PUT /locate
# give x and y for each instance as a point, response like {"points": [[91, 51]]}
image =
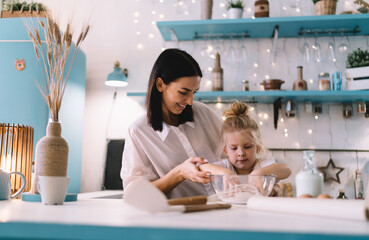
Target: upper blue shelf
{"points": [[271, 96], [310, 26]]}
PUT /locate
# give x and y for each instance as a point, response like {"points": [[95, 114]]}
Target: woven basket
{"points": [[325, 7]]}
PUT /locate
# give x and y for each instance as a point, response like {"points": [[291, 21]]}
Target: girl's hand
{"points": [[190, 171], [256, 181], [230, 181]]}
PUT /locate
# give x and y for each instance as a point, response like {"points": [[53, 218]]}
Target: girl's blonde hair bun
{"points": [[237, 109]]}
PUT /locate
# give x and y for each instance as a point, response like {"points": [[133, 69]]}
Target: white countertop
{"points": [[114, 217]]}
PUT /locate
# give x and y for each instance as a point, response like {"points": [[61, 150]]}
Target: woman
{"points": [[177, 134]]}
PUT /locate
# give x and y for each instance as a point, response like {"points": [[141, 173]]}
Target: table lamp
{"points": [[16, 153]]}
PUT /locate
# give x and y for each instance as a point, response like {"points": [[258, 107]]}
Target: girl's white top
{"points": [[152, 154]]}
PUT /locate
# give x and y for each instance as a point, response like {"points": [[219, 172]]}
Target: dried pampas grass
{"points": [[52, 54]]}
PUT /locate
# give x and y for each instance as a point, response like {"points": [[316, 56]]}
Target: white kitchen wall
{"points": [[126, 31]]}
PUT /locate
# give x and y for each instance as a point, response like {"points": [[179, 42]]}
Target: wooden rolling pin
{"points": [[195, 200], [197, 208]]}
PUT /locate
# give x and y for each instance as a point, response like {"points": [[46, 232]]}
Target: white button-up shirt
{"points": [[152, 154]]}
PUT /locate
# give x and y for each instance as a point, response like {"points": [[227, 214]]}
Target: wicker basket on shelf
{"points": [[325, 7]]}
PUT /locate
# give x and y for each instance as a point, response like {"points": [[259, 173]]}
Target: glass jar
{"points": [[245, 85], [324, 82]]}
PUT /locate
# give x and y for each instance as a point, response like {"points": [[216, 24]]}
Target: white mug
{"points": [[53, 189], [5, 187]]}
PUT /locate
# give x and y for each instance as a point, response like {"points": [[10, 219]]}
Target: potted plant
{"points": [[364, 6], [325, 7], [235, 9], [22, 9], [357, 70]]}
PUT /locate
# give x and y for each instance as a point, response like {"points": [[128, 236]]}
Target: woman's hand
{"points": [[189, 170]]}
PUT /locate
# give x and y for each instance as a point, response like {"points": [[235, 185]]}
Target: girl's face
{"points": [[241, 150], [178, 94]]}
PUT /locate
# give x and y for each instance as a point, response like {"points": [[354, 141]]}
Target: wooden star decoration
{"points": [[327, 176]]}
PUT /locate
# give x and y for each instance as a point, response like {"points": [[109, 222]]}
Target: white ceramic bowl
{"points": [[238, 189]]}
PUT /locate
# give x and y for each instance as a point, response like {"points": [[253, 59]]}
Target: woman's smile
{"points": [[182, 107]]}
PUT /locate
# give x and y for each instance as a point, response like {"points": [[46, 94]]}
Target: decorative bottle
{"points": [[300, 83], [206, 9], [309, 180], [217, 75], [261, 8], [359, 187]]}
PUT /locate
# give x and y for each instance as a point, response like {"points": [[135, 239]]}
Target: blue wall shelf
{"points": [[310, 26], [271, 96]]}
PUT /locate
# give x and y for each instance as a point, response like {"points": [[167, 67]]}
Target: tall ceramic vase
{"points": [[206, 9], [51, 158]]}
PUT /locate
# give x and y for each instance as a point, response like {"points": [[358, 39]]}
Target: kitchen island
{"points": [[104, 218]]}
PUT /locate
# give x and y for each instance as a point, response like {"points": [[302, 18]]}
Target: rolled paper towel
{"points": [[335, 208]]}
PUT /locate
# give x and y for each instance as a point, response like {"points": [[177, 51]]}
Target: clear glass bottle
{"points": [[342, 195], [309, 180], [217, 74], [359, 186]]}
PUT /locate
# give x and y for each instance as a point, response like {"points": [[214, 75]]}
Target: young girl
{"points": [[242, 145]]}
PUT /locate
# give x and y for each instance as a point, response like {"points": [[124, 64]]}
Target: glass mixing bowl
{"points": [[238, 189]]}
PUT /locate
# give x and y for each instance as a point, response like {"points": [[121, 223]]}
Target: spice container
{"points": [[261, 8], [245, 85], [347, 110], [318, 108], [361, 106], [324, 82], [290, 108]]}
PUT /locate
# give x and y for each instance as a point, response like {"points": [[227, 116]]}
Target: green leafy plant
{"points": [[236, 4], [22, 6], [358, 58], [315, 1]]}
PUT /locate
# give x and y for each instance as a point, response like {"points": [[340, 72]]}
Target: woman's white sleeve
{"points": [[135, 163]]}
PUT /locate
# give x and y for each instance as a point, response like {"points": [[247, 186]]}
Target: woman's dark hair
{"points": [[170, 65]]}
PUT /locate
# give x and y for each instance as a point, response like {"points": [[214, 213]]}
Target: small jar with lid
{"points": [[324, 82], [245, 85]]}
